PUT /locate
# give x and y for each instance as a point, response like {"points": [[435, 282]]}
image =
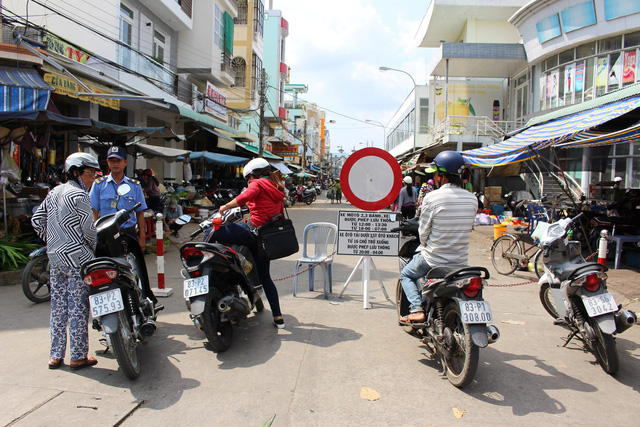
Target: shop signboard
{"points": [[62, 48], [579, 76], [69, 87], [282, 150], [468, 99], [215, 102]]}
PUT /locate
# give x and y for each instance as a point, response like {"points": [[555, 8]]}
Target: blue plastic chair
{"points": [[324, 235]]}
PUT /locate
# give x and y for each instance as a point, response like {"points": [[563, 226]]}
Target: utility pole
{"points": [[304, 144], [263, 81]]}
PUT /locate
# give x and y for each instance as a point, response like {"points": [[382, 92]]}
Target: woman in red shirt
{"points": [[264, 197]]}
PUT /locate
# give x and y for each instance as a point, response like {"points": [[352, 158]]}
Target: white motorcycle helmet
{"points": [[255, 167], [80, 160]]}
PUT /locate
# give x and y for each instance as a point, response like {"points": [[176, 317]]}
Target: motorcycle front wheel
{"points": [[35, 279], [308, 200], [548, 301], [604, 348], [538, 263], [124, 347], [462, 362], [219, 333]]}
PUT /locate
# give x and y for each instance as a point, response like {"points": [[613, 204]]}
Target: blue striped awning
{"points": [[22, 89], [527, 143], [594, 139]]}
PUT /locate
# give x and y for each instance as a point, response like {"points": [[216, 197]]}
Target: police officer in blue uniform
{"points": [[105, 199]]}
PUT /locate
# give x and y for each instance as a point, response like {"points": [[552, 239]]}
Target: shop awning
{"points": [[165, 153], [281, 167], [223, 140], [219, 158], [254, 150], [23, 89], [103, 128], [528, 142], [203, 119]]}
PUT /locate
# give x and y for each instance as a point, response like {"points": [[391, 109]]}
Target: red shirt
{"points": [[263, 199]]}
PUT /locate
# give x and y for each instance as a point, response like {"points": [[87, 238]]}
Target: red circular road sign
{"points": [[371, 179]]}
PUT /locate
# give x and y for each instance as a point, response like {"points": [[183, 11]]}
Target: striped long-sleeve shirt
{"points": [[446, 221], [65, 221]]}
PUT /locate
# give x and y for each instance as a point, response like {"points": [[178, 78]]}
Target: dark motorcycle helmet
{"points": [[449, 162]]}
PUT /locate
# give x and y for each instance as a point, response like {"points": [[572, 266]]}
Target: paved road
{"points": [[312, 372]]}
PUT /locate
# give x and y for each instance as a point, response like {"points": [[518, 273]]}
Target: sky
{"points": [[335, 47]]}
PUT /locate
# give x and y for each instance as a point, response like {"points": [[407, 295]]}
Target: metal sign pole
{"points": [[367, 263]]}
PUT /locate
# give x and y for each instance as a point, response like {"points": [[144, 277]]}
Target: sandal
{"points": [[83, 363], [55, 363], [415, 317]]}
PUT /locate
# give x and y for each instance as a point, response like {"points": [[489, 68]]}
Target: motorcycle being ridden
{"points": [[221, 285], [456, 320], [443, 296], [574, 292], [122, 304]]}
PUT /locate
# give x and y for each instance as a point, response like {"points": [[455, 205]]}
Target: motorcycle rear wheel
{"points": [[219, 333], [548, 301], [501, 249], [604, 348], [124, 347], [463, 362], [35, 280], [308, 200]]}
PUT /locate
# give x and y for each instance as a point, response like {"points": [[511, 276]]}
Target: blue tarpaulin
{"points": [[224, 159], [23, 89]]}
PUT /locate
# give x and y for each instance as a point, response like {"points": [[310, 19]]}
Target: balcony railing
{"points": [[226, 64], [160, 76], [480, 126]]}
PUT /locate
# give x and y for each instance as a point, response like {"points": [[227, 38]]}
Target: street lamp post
{"points": [[415, 97]]}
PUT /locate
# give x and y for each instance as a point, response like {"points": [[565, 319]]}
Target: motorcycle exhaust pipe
{"points": [[493, 334], [624, 320], [230, 304], [148, 328]]}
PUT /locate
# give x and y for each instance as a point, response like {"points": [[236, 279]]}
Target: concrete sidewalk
{"points": [[312, 372]]}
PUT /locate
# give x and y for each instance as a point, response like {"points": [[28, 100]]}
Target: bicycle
{"points": [[510, 251]]}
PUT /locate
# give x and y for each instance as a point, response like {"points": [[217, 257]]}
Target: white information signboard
{"points": [[368, 233]]}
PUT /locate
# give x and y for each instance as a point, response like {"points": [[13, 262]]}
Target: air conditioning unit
{"points": [[197, 99]]}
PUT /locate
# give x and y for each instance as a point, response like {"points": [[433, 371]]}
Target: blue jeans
{"points": [[241, 235], [416, 269]]}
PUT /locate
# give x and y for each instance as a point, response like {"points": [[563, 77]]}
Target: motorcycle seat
{"points": [[442, 271], [577, 269]]}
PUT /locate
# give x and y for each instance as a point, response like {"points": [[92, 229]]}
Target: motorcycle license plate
{"points": [[106, 302], [599, 304], [475, 312], [196, 286]]}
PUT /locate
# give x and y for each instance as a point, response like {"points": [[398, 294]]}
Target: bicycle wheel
{"points": [[538, 263], [501, 254]]}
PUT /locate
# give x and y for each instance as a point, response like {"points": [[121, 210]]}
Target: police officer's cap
{"points": [[117, 152]]}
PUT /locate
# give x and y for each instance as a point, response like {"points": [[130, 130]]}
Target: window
{"points": [[607, 45], [126, 35], [258, 17], [256, 73], [159, 42], [578, 16], [548, 28], [243, 13], [424, 116], [552, 62], [218, 29], [240, 67], [566, 56], [585, 50]]}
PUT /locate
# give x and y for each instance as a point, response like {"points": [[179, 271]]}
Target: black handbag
{"points": [[277, 238]]}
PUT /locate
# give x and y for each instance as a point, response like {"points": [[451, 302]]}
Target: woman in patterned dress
{"points": [[65, 221]]}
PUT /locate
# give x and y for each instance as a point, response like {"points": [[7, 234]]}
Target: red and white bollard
{"points": [[160, 291], [602, 247]]}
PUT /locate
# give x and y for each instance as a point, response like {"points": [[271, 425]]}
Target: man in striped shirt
{"points": [[446, 221]]}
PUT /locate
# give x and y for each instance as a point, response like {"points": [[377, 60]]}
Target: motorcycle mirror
{"points": [[123, 189]]}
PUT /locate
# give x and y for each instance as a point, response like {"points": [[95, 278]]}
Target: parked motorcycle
{"points": [[574, 292], [117, 279], [457, 316], [35, 277], [221, 285]]}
